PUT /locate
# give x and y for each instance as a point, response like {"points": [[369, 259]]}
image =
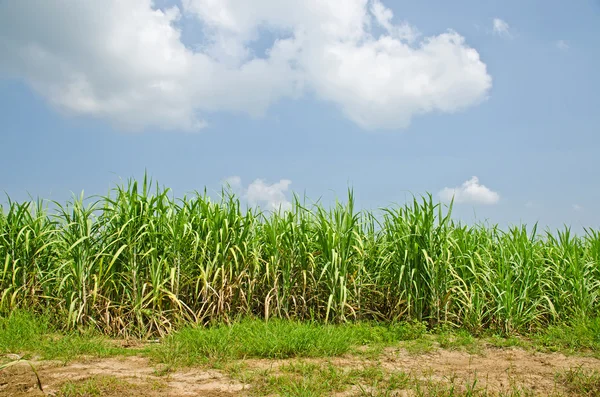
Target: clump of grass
{"points": [[301, 378], [97, 386], [580, 382], [24, 333], [138, 261], [277, 339], [580, 335], [457, 340]]}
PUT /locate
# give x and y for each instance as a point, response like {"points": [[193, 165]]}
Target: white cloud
{"points": [[124, 61], [470, 191], [562, 45], [530, 204], [383, 17], [501, 28], [273, 195], [577, 207], [234, 182], [260, 193]]}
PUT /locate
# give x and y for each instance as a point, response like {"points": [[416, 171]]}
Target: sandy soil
{"points": [[496, 370], [135, 376]]}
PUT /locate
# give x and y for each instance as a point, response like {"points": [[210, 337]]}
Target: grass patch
{"points": [[28, 335], [580, 382], [278, 339], [22, 331], [97, 386], [503, 342], [420, 346], [459, 340], [307, 379], [578, 336], [226, 346], [25, 334], [313, 379]]}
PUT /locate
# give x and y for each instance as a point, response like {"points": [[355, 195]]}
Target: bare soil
{"points": [[121, 376], [496, 370]]}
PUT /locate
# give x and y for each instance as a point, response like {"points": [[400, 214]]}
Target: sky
{"points": [[492, 103]]}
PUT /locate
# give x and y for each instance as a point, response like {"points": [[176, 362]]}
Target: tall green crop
{"points": [[140, 261]]}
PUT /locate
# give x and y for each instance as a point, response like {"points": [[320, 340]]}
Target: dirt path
{"points": [[496, 371]]}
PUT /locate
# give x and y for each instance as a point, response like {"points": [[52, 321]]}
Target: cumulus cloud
{"points": [[260, 193], [470, 192], [501, 28], [234, 182], [124, 60], [562, 45]]}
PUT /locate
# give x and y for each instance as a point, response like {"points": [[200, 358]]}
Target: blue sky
{"points": [[310, 97]]}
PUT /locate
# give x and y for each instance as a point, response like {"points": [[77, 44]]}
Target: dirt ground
{"points": [[496, 370]]}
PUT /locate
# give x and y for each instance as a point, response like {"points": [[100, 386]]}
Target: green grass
{"points": [[304, 379], [97, 386], [32, 336], [301, 378], [29, 335], [580, 382], [583, 335], [310, 349], [278, 339], [458, 340]]}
